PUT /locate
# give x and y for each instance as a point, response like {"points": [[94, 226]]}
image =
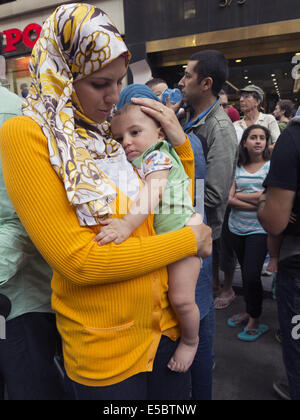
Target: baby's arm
{"points": [[274, 245], [118, 230]]}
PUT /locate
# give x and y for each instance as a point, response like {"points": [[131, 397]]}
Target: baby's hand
{"points": [[273, 265], [113, 230]]}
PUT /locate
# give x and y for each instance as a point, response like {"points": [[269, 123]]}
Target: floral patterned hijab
{"points": [[76, 40]]}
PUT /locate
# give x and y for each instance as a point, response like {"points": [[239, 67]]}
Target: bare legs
{"points": [[183, 276]]}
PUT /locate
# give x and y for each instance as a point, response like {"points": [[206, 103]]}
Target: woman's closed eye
{"points": [[98, 86]]}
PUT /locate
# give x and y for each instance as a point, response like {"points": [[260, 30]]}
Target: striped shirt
{"points": [[246, 222]]}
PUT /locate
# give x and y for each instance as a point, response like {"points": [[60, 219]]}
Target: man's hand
{"points": [[113, 230]]}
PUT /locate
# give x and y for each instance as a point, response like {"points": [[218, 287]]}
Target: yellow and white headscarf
{"points": [[76, 40]]}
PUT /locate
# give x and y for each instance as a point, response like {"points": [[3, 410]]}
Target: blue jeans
{"points": [[26, 358], [160, 384], [202, 368], [288, 300]]}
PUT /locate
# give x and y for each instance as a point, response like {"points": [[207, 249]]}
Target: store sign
{"points": [[225, 3], [14, 36]]}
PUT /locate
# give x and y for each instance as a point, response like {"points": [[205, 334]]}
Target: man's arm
{"points": [[275, 209], [221, 162]]}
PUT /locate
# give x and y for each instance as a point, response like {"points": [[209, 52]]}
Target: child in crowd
{"points": [[165, 193], [249, 239]]}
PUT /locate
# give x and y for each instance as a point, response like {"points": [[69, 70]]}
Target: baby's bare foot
{"points": [[183, 357]]}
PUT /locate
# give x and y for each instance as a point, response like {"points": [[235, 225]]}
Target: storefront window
{"points": [[17, 75]]}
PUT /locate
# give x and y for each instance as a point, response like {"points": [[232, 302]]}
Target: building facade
{"points": [[261, 39], [20, 26]]}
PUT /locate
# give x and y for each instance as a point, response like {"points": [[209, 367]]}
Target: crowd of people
{"points": [[106, 265]]}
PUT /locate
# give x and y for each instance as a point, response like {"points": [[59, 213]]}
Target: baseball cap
{"points": [[254, 88]]}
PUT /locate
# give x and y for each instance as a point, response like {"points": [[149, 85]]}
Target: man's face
{"points": [[277, 112], [248, 103], [189, 85]]}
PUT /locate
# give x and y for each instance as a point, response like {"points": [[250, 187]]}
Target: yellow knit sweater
{"points": [[111, 301]]}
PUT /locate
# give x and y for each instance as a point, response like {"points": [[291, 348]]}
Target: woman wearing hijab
{"points": [[65, 174]]}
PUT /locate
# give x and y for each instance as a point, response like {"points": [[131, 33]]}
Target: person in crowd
{"points": [[275, 208], [251, 101], [158, 86], [24, 90], [232, 112], [165, 193], [284, 112], [27, 354], [117, 326], [204, 77], [248, 236]]}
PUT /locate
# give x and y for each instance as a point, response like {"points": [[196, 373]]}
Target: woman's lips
{"points": [[105, 111]]}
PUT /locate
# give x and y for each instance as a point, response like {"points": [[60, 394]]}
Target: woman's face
{"points": [[98, 92], [256, 142]]}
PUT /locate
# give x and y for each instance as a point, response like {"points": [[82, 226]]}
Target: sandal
{"points": [[250, 335], [238, 321], [223, 303]]}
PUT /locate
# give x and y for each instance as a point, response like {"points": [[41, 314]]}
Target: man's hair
{"points": [[154, 82], [288, 107], [211, 63]]}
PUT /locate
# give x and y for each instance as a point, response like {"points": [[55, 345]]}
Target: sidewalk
{"points": [[246, 371]]}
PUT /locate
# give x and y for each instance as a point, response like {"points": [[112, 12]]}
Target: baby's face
{"points": [[135, 131]]}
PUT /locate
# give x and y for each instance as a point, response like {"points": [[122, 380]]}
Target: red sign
{"points": [[15, 36]]}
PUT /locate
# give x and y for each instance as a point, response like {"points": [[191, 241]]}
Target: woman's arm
{"points": [[237, 204], [252, 198], [40, 200]]}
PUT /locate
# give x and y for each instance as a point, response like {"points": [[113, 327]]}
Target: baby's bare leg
{"points": [[183, 276]]}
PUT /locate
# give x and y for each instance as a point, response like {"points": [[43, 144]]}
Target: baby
{"points": [[165, 193]]}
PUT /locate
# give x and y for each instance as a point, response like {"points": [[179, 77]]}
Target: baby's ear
{"points": [[161, 134]]}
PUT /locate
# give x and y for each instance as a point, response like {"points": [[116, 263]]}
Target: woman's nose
{"points": [[113, 95]]}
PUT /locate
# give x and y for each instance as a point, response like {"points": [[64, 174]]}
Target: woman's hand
{"points": [[203, 235], [165, 116]]}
